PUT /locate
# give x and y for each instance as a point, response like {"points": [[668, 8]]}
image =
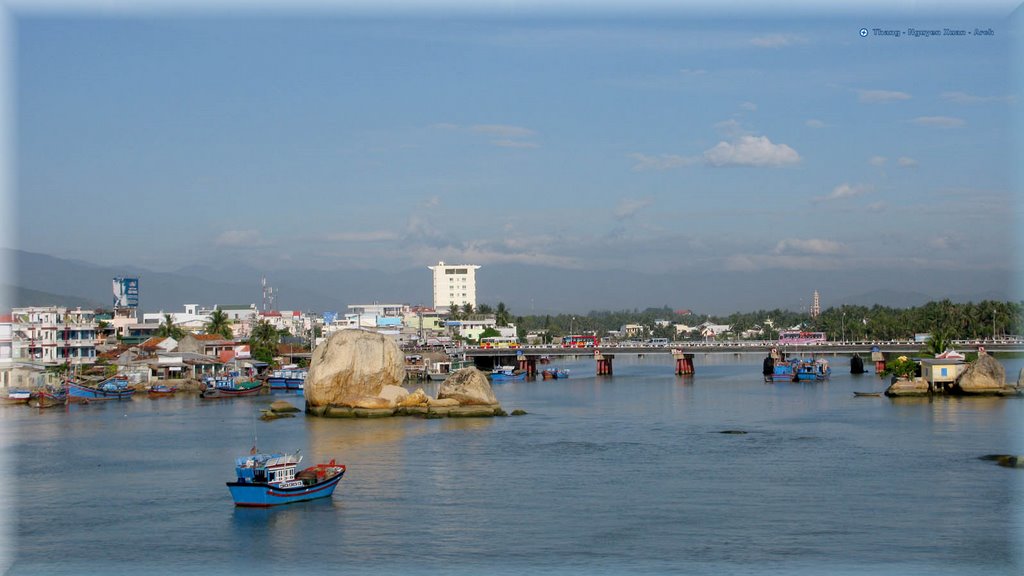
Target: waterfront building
{"points": [[454, 285], [6, 349], [53, 335]]}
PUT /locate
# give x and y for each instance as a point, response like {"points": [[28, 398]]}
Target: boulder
{"points": [[352, 366], [442, 402], [984, 375], [393, 394], [417, 398], [281, 406], [469, 386], [905, 387]]}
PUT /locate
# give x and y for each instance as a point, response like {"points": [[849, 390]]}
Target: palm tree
{"points": [[263, 341], [219, 324], [937, 343], [501, 315], [168, 329]]}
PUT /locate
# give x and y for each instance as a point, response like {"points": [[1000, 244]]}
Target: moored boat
{"points": [[48, 397], [16, 397], [265, 480], [229, 387], [506, 373], [113, 388], [161, 391]]}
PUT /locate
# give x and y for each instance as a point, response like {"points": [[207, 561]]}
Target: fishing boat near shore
{"points": [[161, 391], [265, 480], [555, 373], [229, 387], [113, 388], [505, 374], [48, 397], [16, 397]]}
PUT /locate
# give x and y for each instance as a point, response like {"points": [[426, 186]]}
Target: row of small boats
{"points": [[797, 370], [506, 373]]}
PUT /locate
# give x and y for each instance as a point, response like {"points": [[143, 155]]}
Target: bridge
{"points": [[747, 346], [526, 357]]}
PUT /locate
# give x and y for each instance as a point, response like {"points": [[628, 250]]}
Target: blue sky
{"points": [[665, 140]]}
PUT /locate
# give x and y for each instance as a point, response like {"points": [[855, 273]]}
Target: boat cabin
{"points": [[277, 469]]}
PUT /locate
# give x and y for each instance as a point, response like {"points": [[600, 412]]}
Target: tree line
{"points": [[954, 320]]}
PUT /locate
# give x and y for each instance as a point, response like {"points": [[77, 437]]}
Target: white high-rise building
{"points": [[454, 285]]}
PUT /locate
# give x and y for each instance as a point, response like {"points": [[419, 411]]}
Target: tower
{"points": [[815, 306], [454, 285]]}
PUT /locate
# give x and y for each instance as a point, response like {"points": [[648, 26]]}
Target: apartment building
{"points": [[454, 285]]}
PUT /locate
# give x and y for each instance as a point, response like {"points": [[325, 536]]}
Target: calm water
{"points": [[628, 474]]}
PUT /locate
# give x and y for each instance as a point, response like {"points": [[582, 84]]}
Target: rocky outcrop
{"points": [[352, 368], [357, 374], [983, 376], [469, 386], [908, 387]]}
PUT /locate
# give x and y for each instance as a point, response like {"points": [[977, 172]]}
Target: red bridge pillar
{"points": [[604, 363], [528, 364], [684, 362]]}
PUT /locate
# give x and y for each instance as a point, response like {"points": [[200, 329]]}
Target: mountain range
{"points": [[40, 279]]}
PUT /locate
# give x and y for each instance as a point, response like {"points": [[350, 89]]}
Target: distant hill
{"points": [[22, 297], [525, 289]]}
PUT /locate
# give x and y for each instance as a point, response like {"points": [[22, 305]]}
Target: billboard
{"points": [[126, 292]]}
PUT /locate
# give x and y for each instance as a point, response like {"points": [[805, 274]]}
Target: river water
{"points": [[629, 474]]}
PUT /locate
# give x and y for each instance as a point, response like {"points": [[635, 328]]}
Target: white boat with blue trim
{"points": [[265, 480]]}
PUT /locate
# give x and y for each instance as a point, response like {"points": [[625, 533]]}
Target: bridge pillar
{"points": [[684, 362], [528, 364], [879, 359], [604, 363]]}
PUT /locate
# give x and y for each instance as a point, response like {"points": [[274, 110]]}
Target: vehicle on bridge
{"points": [[499, 342], [800, 337], [580, 341]]}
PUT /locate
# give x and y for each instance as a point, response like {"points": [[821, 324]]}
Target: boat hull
{"points": [[76, 390], [264, 495], [230, 392]]}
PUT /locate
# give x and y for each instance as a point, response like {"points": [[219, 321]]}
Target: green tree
{"points": [[467, 310], [501, 315], [489, 333], [168, 329], [219, 324], [937, 343], [263, 341]]}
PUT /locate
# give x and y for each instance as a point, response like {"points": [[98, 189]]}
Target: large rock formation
{"points": [[469, 386], [352, 368], [985, 375]]}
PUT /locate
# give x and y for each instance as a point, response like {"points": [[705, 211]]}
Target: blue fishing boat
{"points": [[562, 373], [506, 373], [806, 371], [265, 480], [782, 372], [113, 388], [229, 386], [277, 381], [296, 380]]}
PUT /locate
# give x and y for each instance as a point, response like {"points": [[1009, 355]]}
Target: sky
{"points": [[335, 135]]}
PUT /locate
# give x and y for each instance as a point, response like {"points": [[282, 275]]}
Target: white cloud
{"points": [[371, 236], [776, 40], [751, 151], [876, 96], [628, 207], [814, 123], [939, 121], [239, 238], [816, 246], [845, 190], [749, 106], [514, 144], [965, 98], [906, 162], [432, 202], [661, 162], [730, 128], [877, 207], [877, 160], [503, 130]]}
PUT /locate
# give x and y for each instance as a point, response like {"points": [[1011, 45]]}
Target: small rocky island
{"points": [[358, 374], [983, 377]]}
